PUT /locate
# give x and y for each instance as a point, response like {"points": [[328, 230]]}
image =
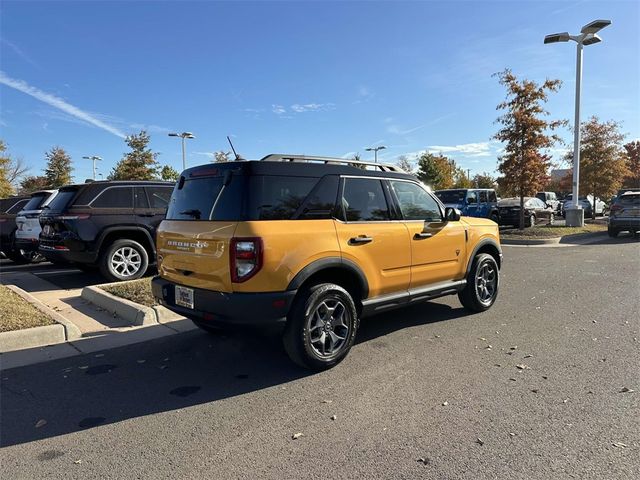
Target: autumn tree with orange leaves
{"points": [[633, 164], [526, 134], [603, 165]]}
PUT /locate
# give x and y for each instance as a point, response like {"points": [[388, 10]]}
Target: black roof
{"points": [[116, 182], [295, 169]]}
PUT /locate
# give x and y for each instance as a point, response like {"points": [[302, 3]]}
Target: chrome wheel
{"points": [[329, 327], [486, 283], [126, 261]]}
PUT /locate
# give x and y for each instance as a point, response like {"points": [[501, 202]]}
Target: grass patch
{"points": [[16, 313], [551, 231], [138, 291]]}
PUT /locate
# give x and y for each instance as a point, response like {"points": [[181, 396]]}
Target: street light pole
{"points": [[183, 136], [375, 151], [93, 158], [575, 215]]}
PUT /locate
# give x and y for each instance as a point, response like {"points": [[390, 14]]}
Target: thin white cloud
{"points": [[479, 149], [278, 109], [312, 107], [18, 51], [364, 94], [206, 154], [397, 130], [58, 103]]}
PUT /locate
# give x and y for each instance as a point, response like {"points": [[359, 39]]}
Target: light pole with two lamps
{"points": [[375, 151], [575, 215], [93, 158], [183, 136]]}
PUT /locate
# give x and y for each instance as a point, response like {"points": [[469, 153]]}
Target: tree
{"points": [[58, 169], [356, 158], [602, 159], [31, 184], [484, 180], [11, 170], [221, 156], [169, 173], [525, 130], [138, 164], [404, 164], [632, 179], [460, 179], [437, 171]]}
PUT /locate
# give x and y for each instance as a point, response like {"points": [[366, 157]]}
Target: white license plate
{"points": [[184, 297]]}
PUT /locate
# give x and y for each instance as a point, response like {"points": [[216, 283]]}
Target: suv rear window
{"points": [[18, 206], [195, 198], [62, 199], [630, 199], [36, 201]]}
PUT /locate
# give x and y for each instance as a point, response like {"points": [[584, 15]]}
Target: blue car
{"points": [[472, 202]]}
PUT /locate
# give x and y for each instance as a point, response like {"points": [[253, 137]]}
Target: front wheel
{"points": [[124, 260], [321, 326], [482, 285], [532, 221], [494, 217]]}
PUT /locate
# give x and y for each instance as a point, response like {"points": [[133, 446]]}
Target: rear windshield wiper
{"points": [[192, 213]]}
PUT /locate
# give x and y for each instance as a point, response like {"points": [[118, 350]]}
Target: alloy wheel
{"points": [[486, 283], [329, 327], [126, 261]]}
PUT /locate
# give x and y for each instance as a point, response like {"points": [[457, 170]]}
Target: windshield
{"points": [[36, 201], [62, 199], [452, 196]]}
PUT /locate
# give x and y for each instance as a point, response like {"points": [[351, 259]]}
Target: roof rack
{"points": [[281, 157]]}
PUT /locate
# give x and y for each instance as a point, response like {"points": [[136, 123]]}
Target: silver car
{"points": [[625, 214]]}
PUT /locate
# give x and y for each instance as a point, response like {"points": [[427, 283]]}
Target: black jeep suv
{"points": [[110, 225], [9, 208]]}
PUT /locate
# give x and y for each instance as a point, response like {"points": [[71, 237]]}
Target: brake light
{"points": [[615, 207], [81, 216], [245, 258]]}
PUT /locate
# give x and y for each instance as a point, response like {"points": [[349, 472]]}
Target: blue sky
{"points": [[322, 78]]}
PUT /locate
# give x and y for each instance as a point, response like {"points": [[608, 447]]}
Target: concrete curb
{"points": [[537, 241], [566, 240], [61, 332], [126, 309]]}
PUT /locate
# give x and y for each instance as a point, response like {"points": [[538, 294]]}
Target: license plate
{"points": [[184, 297]]}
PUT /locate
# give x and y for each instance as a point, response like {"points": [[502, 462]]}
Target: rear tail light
{"points": [[245, 258], [615, 207]]}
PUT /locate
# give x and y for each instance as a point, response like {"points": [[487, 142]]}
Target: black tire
{"points": [[613, 233], [298, 340], [132, 251], [470, 297], [494, 217]]}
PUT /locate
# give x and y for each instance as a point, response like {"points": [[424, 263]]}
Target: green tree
{"points": [[437, 171], [603, 165], [460, 178], [526, 134], [138, 164], [58, 169], [169, 173], [32, 184], [632, 158], [484, 180], [221, 156]]}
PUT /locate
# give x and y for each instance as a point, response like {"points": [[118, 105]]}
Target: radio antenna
{"points": [[238, 157]]}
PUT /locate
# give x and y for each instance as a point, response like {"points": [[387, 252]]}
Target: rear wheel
{"points": [[321, 327], [494, 217], [124, 260], [482, 285]]}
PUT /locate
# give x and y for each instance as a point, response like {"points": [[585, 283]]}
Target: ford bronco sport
{"points": [[314, 244]]}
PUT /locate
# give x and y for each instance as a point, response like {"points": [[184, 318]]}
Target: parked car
{"points": [[28, 225], [472, 202], [587, 205], [9, 208], [551, 199], [312, 245], [625, 214], [535, 211], [108, 225], [621, 191]]}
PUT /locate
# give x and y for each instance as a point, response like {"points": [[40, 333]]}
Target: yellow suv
{"points": [[314, 244]]}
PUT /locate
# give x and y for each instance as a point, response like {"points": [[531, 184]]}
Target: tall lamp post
{"points": [[588, 36], [93, 158], [183, 136], [375, 151]]}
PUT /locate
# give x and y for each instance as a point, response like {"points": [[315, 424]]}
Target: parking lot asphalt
{"points": [[61, 276], [545, 384]]}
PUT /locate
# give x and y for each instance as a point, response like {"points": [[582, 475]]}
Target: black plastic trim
{"points": [[479, 245], [330, 262]]}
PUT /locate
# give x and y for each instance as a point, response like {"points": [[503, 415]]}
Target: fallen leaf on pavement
{"points": [[528, 356], [424, 461], [522, 366], [333, 417], [620, 445], [77, 462], [627, 390], [479, 441], [41, 423], [512, 434], [327, 401], [445, 403], [296, 436]]}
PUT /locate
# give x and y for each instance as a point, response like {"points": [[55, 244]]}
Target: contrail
{"points": [[58, 103]]}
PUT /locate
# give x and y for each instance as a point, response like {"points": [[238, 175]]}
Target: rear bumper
{"points": [[624, 222], [27, 244], [259, 310]]}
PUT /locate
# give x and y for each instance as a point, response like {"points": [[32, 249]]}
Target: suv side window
{"points": [[140, 200], [492, 196], [472, 197], [321, 202], [114, 197], [159, 196], [363, 200], [483, 196], [18, 206], [415, 203]]}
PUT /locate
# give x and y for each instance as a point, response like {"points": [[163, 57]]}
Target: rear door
{"points": [[437, 247], [369, 237]]}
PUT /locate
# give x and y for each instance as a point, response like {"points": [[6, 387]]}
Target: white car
{"points": [[28, 224], [587, 205]]}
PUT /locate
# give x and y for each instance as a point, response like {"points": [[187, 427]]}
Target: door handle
{"points": [[360, 240], [421, 235]]}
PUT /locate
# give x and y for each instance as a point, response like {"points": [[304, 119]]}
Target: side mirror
{"points": [[451, 214]]}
